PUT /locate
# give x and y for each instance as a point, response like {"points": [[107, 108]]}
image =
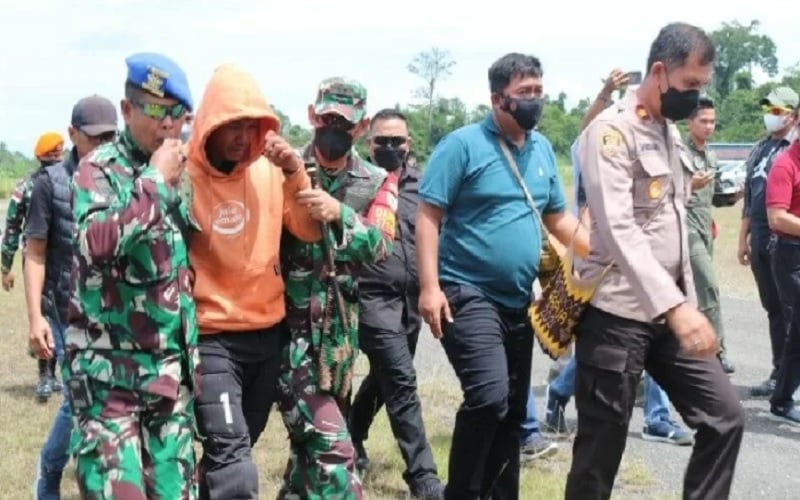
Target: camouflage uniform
{"points": [[16, 214], [318, 362], [701, 242], [132, 335]]}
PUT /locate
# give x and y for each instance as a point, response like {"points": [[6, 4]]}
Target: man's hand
{"points": [[432, 305], [693, 330], [321, 206], [40, 339], [701, 180], [743, 253], [169, 159], [615, 81], [8, 281], [281, 154]]}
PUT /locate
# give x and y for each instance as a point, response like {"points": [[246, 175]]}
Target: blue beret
{"points": [[160, 76]]}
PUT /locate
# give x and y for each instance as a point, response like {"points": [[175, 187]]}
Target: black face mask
{"points": [[677, 105], [389, 158], [332, 143], [526, 113]]}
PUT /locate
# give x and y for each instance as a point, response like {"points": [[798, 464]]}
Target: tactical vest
{"points": [[58, 267]]}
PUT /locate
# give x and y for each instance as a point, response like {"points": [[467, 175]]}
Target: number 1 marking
{"points": [[226, 407]]}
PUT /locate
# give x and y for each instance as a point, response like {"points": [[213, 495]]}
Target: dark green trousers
{"points": [[701, 254]]}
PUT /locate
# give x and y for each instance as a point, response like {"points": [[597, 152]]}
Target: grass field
{"points": [[25, 423]]}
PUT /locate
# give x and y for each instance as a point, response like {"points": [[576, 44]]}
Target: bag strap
{"points": [[515, 169], [512, 163]]}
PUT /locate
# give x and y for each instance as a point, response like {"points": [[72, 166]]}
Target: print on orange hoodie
{"points": [[238, 284]]}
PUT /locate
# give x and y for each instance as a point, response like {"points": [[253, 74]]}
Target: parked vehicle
{"points": [[731, 171]]}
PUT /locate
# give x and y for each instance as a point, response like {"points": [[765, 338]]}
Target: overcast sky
{"points": [[53, 54]]}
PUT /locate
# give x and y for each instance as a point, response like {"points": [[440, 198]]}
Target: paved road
{"points": [[770, 450]]}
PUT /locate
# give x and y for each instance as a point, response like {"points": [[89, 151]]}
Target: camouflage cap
{"points": [[347, 98]]}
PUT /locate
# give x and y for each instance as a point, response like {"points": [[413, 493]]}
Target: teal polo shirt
{"points": [[489, 238]]}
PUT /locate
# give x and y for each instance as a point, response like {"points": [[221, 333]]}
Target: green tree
{"points": [[432, 66], [14, 165], [297, 135], [558, 125], [741, 48]]}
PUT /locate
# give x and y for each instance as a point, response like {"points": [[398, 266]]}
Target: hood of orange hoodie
{"points": [[232, 94]]}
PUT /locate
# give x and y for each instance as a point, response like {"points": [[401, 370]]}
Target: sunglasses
{"points": [[393, 141], [777, 110], [337, 121], [161, 111]]}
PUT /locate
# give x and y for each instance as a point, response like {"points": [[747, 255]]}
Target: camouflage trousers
{"points": [[321, 459], [135, 445]]}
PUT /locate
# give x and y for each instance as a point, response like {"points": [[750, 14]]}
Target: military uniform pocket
{"points": [[94, 445], [604, 390], [652, 184]]}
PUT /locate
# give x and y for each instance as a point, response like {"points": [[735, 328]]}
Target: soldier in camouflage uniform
{"points": [[49, 150], [318, 362], [702, 167], [132, 337]]}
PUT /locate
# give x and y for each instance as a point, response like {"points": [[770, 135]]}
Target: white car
{"points": [[731, 171]]}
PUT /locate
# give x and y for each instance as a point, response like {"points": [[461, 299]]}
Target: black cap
{"points": [[94, 115]]}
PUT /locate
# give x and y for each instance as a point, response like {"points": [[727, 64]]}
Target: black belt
{"points": [[788, 240]]}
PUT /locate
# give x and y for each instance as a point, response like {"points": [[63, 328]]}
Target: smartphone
{"points": [[634, 78]]}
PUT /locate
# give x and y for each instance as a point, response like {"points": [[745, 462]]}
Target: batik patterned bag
{"points": [[555, 314]]}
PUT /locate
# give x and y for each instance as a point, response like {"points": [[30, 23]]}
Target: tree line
{"points": [[741, 49]]}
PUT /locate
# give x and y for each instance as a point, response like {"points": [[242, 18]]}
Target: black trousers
{"points": [[761, 265], [238, 380], [611, 353], [392, 379], [786, 269], [490, 349]]}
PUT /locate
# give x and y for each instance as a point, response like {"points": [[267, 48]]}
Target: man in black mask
{"points": [[478, 251], [643, 315], [389, 322], [356, 201]]}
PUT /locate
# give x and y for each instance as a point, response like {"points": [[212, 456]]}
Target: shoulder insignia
{"points": [[611, 142], [104, 154]]}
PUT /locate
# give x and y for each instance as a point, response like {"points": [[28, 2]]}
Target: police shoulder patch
{"points": [[611, 142]]}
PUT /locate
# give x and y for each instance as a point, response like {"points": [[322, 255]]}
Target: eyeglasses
{"points": [[394, 141], [337, 121], [161, 111], [777, 110]]}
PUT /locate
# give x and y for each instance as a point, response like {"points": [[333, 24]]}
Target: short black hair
{"points": [[511, 65], [702, 103], [388, 114], [676, 42]]}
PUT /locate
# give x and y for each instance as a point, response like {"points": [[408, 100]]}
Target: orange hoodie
{"points": [[236, 255]]}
